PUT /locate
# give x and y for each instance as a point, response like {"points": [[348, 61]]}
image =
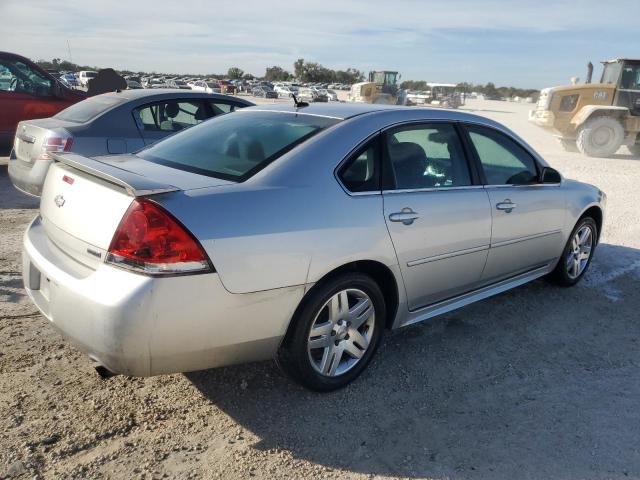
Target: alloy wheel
{"points": [[341, 332], [579, 252]]}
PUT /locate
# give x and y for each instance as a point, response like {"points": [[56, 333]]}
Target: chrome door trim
{"points": [[529, 185], [432, 189], [443, 256], [524, 239]]}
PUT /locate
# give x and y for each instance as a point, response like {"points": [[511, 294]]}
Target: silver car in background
{"points": [[111, 123], [299, 234]]}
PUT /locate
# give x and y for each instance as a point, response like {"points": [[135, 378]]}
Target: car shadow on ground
{"points": [[538, 382], [10, 198]]}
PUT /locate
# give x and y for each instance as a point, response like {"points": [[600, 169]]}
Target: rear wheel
{"points": [[577, 254], [335, 333], [600, 137]]}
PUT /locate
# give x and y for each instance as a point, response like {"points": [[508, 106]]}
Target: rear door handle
{"points": [[406, 216], [506, 205]]}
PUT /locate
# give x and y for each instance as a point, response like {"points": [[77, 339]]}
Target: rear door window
{"points": [[170, 116], [427, 156], [219, 108]]}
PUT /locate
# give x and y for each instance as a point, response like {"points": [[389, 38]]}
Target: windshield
{"points": [[235, 147], [88, 109], [611, 73]]}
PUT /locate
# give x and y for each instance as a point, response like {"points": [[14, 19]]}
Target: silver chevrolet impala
{"points": [[298, 233]]}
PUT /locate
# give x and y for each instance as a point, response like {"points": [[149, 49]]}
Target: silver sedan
{"points": [[111, 123], [299, 234]]}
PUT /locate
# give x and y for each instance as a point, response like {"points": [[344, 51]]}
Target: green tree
{"points": [[276, 74], [298, 68], [234, 73]]}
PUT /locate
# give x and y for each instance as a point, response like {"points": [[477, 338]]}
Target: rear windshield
{"points": [[235, 147], [88, 109]]}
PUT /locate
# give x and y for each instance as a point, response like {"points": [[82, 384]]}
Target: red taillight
{"points": [[55, 144], [150, 240]]}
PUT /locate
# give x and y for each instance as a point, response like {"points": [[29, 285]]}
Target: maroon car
{"points": [[27, 92]]}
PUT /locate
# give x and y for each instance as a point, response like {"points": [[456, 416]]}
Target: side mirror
{"points": [[550, 175]]}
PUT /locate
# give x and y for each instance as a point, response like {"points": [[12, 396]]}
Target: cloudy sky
{"points": [[519, 42]]}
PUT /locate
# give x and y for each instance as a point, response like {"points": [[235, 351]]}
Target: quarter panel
{"points": [[266, 238]]}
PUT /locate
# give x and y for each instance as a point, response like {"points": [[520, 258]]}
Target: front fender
{"points": [[586, 112]]}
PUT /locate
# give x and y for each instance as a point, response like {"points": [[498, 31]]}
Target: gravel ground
{"points": [[539, 382]]}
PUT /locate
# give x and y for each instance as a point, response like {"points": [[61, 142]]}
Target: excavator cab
{"points": [[625, 74], [386, 86]]}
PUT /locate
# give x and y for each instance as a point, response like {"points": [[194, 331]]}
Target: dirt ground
{"points": [[539, 382]]}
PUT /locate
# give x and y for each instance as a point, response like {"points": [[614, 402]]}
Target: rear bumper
{"points": [[139, 325], [28, 177]]}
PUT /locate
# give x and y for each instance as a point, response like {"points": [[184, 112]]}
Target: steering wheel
{"points": [[13, 84]]}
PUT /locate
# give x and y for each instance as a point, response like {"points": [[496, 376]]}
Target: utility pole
{"points": [[69, 49]]}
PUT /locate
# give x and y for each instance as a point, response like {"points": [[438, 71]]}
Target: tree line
{"points": [[302, 71]]}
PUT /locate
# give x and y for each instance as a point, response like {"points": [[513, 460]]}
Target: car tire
{"points": [[571, 267], [600, 137], [326, 361]]}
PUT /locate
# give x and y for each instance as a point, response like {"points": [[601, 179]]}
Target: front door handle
{"points": [[506, 205], [406, 216]]}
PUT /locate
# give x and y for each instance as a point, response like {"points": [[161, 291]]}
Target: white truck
{"points": [[84, 76]]}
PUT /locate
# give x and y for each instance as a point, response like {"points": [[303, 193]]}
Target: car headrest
{"points": [[409, 164], [171, 110], [200, 114]]}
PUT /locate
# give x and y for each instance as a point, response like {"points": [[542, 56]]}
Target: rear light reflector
{"points": [[150, 240], [55, 145]]}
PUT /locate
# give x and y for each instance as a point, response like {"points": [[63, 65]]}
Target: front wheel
{"points": [[577, 254], [600, 137], [334, 333]]}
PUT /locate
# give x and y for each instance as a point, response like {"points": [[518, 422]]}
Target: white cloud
{"points": [[202, 36]]}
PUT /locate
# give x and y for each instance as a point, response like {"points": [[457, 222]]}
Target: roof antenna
{"points": [[298, 103]]}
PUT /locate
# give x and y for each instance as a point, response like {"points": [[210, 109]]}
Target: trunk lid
{"points": [[31, 135], [83, 199]]}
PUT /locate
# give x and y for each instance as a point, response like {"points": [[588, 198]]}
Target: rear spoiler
{"points": [[136, 185]]}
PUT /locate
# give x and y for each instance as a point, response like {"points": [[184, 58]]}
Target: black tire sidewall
{"points": [[561, 273], [293, 357]]}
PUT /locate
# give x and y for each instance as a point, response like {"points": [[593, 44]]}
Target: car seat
{"points": [[409, 164]]}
